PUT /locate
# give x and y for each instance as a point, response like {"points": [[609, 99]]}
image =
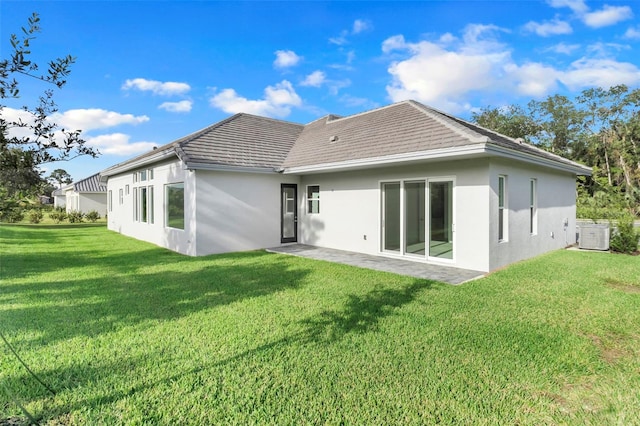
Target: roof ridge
{"points": [[449, 121], [346, 117]]}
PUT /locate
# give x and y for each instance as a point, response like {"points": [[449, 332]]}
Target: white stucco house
{"points": [[59, 197], [404, 180], [85, 195]]}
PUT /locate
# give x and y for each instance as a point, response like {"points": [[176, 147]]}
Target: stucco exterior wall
{"points": [[93, 201], [121, 218], [556, 212], [350, 209], [238, 211], [59, 201]]}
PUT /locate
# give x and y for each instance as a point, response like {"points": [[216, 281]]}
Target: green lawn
{"points": [[128, 333]]}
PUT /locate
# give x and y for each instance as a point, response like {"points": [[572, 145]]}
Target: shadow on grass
{"points": [[360, 314], [90, 307]]}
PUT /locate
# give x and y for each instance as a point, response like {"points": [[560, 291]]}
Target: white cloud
{"points": [[94, 118], [608, 15], [577, 6], [445, 75], [604, 73], [315, 79], [118, 144], [167, 88], [533, 79], [549, 28], [277, 101], [563, 48], [442, 77], [286, 59], [182, 106], [12, 115], [632, 33], [360, 25], [115, 143]]}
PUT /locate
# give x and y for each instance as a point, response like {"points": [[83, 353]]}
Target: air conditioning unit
{"points": [[594, 236]]}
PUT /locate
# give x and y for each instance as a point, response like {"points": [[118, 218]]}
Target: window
{"points": [[126, 190], [313, 199], [136, 206], [120, 196], [502, 208], [533, 207], [135, 177], [150, 203], [174, 205], [150, 174], [143, 203], [142, 175], [110, 200]]}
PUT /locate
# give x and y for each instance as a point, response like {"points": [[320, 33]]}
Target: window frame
{"points": [[167, 216], [533, 206], [313, 198], [503, 209], [150, 209]]}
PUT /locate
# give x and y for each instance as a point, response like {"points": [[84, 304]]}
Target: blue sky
{"points": [[149, 72]]}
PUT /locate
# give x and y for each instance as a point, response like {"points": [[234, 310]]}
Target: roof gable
{"points": [[90, 184]]}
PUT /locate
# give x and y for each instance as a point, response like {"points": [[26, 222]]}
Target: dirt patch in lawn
{"points": [[611, 348], [622, 286]]}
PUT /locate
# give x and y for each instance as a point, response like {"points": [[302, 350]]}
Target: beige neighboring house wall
{"points": [[404, 181]]}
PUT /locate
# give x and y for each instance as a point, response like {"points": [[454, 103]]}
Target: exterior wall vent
{"points": [[594, 236]]}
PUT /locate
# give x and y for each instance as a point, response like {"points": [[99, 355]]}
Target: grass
{"points": [[128, 333]]}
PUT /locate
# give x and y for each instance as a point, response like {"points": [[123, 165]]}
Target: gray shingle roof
{"points": [[401, 128], [242, 140], [249, 141], [90, 184]]}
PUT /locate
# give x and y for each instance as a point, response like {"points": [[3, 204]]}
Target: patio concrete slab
{"points": [[429, 271]]}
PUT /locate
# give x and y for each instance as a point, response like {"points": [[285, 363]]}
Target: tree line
{"points": [[599, 128]]}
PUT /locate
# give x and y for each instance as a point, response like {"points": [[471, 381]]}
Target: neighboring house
{"points": [[60, 196], [403, 181], [86, 195]]}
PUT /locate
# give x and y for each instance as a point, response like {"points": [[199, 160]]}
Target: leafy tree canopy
{"points": [[33, 139]]}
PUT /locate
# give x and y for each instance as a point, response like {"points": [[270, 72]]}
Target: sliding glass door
{"points": [[414, 213], [391, 216], [417, 218], [441, 219]]}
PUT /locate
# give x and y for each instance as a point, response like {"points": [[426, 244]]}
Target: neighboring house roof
{"points": [[90, 184], [401, 132]]}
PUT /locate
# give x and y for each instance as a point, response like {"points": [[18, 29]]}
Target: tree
{"points": [[61, 177], [510, 121], [27, 143], [560, 125]]}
